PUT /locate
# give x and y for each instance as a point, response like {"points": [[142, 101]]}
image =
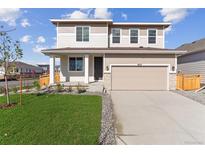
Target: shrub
{"points": [[2, 90], [59, 87], [36, 85], [70, 88], [39, 94], [15, 89], [80, 89]]}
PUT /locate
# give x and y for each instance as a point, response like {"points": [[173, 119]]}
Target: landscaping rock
{"points": [[196, 96], [107, 133]]}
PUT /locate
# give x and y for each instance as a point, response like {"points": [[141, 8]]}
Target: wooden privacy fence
{"points": [[44, 79], [188, 82]]}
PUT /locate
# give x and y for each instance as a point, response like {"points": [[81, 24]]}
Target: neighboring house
{"points": [[125, 56], [45, 67], [57, 68], [193, 62], [23, 68]]}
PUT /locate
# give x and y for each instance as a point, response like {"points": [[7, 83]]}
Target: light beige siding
{"points": [[172, 81], [143, 37], [143, 32], [70, 28], [139, 59], [66, 36], [139, 78], [66, 28], [100, 34], [63, 68], [73, 76]]}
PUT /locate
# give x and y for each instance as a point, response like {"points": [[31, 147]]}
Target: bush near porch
{"points": [[51, 119]]}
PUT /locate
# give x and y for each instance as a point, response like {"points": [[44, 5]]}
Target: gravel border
{"points": [[196, 96], [107, 133]]}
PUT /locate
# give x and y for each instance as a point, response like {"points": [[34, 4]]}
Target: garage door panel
{"points": [[139, 78]]}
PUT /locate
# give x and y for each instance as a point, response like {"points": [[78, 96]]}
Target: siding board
{"points": [[139, 59], [197, 67]]}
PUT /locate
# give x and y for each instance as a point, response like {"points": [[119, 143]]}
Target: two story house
{"points": [[125, 56]]}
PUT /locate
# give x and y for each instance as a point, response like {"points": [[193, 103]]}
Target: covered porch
{"points": [[77, 68]]}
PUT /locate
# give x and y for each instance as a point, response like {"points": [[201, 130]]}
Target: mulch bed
{"points": [[7, 106]]}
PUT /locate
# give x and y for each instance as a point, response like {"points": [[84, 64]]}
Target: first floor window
{"points": [[151, 36], [75, 63], [133, 35]]}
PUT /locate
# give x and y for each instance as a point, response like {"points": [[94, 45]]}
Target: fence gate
{"points": [[188, 82]]}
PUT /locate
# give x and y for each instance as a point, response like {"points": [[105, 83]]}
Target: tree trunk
{"points": [[7, 90]]}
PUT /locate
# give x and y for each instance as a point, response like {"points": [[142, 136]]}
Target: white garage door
{"points": [[139, 78]]}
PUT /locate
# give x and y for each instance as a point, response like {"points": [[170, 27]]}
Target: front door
{"points": [[98, 68]]}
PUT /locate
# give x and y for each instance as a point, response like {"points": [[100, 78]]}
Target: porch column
{"points": [[86, 68], [52, 70], [63, 68]]}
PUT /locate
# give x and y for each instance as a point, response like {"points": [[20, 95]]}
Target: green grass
{"points": [[51, 119]]}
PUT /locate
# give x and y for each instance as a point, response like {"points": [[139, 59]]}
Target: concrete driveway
{"points": [[157, 117]]}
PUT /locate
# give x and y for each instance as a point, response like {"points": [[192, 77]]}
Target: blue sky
{"points": [[35, 31]]}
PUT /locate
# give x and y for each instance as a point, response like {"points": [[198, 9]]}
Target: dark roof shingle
{"points": [[194, 46]]}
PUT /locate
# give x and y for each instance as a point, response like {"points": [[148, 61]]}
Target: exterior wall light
{"points": [[173, 68], [107, 68]]}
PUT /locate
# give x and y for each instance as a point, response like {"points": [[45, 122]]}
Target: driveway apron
{"points": [[157, 117]]}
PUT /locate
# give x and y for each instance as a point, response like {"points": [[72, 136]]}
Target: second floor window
{"points": [[152, 36], [133, 35], [115, 35], [82, 34]]}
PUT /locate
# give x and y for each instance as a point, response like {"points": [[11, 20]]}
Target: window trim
{"points": [[112, 35], [148, 35], [89, 27], [137, 35], [75, 59]]}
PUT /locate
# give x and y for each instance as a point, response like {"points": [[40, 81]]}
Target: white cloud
{"points": [[174, 15], [37, 48], [41, 39], [102, 13], [124, 16], [88, 13], [77, 14], [167, 30], [25, 23], [86, 10], [10, 15], [25, 39]]}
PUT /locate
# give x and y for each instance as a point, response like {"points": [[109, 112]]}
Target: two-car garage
{"points": [[148, 70], [133, 77]]}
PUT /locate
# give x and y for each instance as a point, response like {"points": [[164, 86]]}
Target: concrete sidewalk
{"points": [[157, 117]]}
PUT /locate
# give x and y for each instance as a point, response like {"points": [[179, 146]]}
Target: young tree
{"points": [[10, 51]]}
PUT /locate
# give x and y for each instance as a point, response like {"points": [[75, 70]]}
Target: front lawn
{"points": [[51, 119]]}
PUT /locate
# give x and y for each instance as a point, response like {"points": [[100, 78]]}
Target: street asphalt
{"points": [[15, 83]]}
